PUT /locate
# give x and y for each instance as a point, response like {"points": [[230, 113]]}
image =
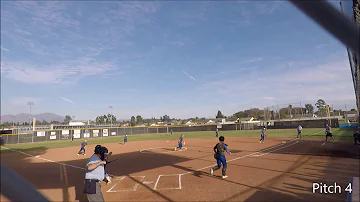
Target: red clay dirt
{"points": [[283, 172]]}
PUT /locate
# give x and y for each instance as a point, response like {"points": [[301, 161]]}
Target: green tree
{"points": [[111, 118], [309, 108], [219, 115], [132, 121], [139, 119], [165, 118], [67, 119], [320, 104], [100, 120], [240, 114]]}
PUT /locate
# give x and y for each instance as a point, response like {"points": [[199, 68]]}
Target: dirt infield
{"points": [[281, 169]]}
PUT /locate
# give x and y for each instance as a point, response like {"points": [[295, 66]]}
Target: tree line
{"points": [[319, 109], [285, 112]]}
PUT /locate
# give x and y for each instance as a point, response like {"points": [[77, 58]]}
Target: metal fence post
{"points": [[157, 130], [131, 130], [32, 137], [18, 141]]}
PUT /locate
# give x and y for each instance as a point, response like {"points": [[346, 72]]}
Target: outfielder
{"points": [[180, 142], [217, 132], [220, 157], [299, 130], [82, 149], [262, 135]]}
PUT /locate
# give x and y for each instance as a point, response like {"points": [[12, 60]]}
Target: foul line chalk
{"points": [[134, 188], [44, 159], [144, 150]]}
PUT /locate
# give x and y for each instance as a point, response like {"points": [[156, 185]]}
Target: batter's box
{"points": [[126, 183], [165, 182]]}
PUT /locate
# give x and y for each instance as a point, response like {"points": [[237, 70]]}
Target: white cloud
{"points": [[4, 49], [67, 53], [191, 77], [67, 100], [254, 60], [265, 8], [71, 71], [331, 80]]}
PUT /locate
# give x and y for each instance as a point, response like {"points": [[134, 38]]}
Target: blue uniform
{"points": [[82, 149], [217, 133], [180, 142], [262, 135], [220, 157], [125, 139]]}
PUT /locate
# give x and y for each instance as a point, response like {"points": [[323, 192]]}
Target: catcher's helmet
{"points": [[221, 139], [100, 150]]}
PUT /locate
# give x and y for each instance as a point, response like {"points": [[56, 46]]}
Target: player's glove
{"points": [[215, 156]]}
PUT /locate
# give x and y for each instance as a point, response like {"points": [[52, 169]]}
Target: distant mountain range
{"points": [[21, 118]]}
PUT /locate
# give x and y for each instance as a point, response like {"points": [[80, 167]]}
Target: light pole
{"points": [[111, 107], [30, 104]]}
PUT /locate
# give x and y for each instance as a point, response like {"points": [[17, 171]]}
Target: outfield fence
{"points": [[80, 133]]}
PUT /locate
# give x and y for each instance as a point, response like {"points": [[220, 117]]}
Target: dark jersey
{"points": [[220, 148], [357, 135]]}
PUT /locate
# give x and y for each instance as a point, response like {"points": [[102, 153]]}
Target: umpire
{"points": [[95, 173]]}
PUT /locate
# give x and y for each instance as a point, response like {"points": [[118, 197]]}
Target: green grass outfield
{"points": [[339, 134]]}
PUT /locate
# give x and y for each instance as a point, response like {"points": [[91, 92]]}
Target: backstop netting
{"points": [[351, 9]]}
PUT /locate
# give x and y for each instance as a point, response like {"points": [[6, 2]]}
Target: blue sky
{"points": [[183, 59]]}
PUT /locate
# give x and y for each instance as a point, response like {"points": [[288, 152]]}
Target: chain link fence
{"points": [[80, 133]]}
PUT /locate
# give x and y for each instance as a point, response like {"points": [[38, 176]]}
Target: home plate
{"points": [[148, 182], [37, 156]]}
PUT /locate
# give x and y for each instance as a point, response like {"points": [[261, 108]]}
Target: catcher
{"points": [[220, 157]]}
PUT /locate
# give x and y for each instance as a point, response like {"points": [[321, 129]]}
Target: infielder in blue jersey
{"points": [[217, 133], [180, 142], [328, 133], [220, 157], [125, 139], [82, 149], [262, 135]]}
